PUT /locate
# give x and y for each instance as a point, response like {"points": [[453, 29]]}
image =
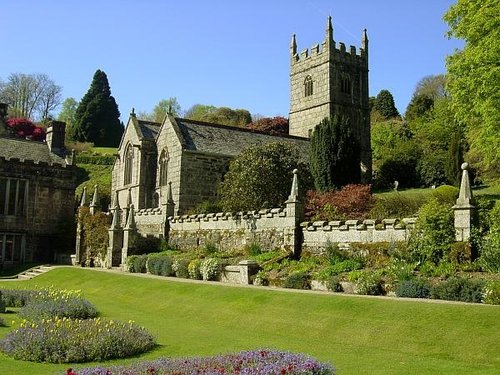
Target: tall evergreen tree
{"points": [[334, 155], [97, 118], [384, 103]]}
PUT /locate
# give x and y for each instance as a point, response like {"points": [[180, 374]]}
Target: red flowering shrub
{"points": [[271, 125], [24, 128], [351, 202]]}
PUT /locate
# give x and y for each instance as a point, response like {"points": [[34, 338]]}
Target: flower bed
{"points": [[250, 362], [69, 340]]}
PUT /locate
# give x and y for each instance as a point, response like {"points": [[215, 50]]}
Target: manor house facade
{"points": [[189, 158]]}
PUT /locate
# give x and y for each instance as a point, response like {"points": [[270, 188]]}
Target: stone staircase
{"points": [[35, 271]]}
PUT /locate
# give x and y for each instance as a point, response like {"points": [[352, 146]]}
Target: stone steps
{"points": [[33, 272]]}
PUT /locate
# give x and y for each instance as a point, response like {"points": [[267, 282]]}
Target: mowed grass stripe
{"points": [[357, 335]]}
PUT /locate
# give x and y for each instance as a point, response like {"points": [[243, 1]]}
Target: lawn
{"points": [[358, 335]]}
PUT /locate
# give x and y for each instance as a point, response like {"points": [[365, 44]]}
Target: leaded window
{"points": [[308, 86], [129, 160], [164, 158]]}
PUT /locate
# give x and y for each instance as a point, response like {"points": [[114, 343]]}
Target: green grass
{"points": [[359, 335], [104, 150]]}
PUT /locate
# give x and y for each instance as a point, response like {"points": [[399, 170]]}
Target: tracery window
{"points": [[345, 85], [129, 159], [308, 86], [164, 158]]}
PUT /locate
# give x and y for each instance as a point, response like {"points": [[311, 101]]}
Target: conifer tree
{"points": [[334, 155], [384, 103], [97, 118]]}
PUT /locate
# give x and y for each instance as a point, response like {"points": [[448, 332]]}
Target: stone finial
{"points": [[115, 224], [294, 193], [293, 46], [132, 113], [83, 200], [465, 195], [364, 39], [130, 219], [129, 198], [95, 199], [464, 210], [170, 205], [116, 203]]}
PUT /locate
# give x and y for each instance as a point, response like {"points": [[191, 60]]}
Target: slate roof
{"points": [[24, 150], [229, 140], [149, 129]]}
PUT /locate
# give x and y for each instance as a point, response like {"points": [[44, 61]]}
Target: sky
{"points": [[232, 53]]}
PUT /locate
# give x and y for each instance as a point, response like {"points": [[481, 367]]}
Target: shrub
{"points": [[446, 194], [461, 252], [194, 269], [350, 202], [2, 323], [137, 263], [396, 205], [68, 340], [367, 283], [400, 270], [145, 245], [334, 285], [434, 232], [51, 303], [253, 249], [297, 280], [159, 264], [343, 266], [180, 267], [210, 248], [490, 246], [334, 254], [459, 289], [210, 269], [16, 297], [431, 168], [260, 361], [413, 288], [205, 207], [492, 292]]}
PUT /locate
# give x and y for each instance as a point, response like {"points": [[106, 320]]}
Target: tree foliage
{"points": [[97, 118], [219, 115], [164, 106], [473, 78], [431, 86], [384, 104], [67, 115], [272, 125], [334, 155], [261, 176], [418, 107], [31, 96], [24, 128]]}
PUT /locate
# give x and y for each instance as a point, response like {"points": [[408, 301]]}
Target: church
{"points": [[181, 161]]}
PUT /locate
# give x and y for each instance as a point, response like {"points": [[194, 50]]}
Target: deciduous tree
{"points": [[219, 115], [32, 96], [473, 78], [272, 125], [67, 114]]}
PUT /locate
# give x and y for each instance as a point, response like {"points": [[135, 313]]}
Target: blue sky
{"points": [[231, 53]]}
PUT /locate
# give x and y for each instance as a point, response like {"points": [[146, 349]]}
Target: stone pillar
{"points": [[129, 234], [295, 211], [115, 233], [464, 210], [76, 259], [248, 268], [94, 204]]}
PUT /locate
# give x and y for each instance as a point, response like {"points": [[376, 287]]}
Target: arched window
{"points": [[345, 85], [163, 168], [129, 159], [308, 86]]}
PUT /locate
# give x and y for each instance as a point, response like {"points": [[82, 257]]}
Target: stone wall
{"points": [[317, 235], [270, 228], [150, 222], [201, 174]]}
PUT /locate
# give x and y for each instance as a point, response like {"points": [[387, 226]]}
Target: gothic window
{"points": [[308, 86], [129, 159], [13, 193], [163, 168], [345, 85]]}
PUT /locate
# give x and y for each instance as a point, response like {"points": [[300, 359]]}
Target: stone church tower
{"points": [[326, 81]]}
